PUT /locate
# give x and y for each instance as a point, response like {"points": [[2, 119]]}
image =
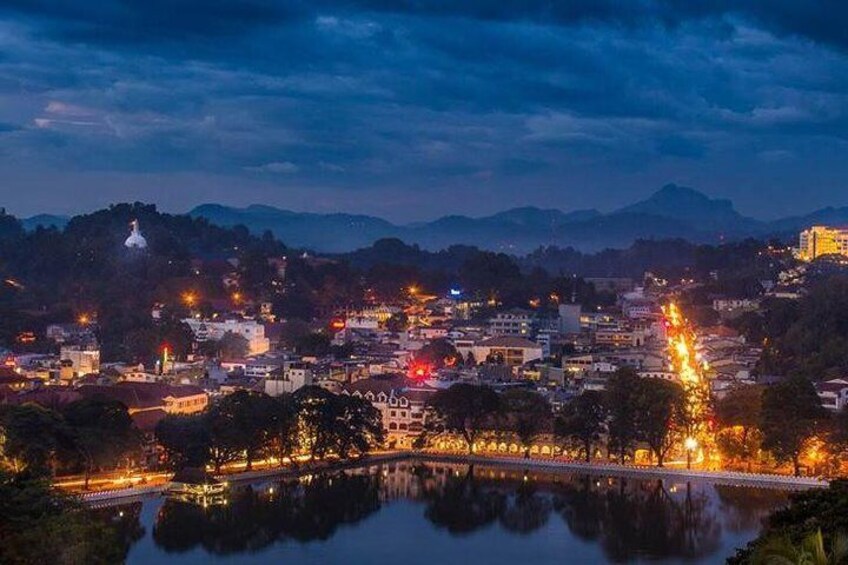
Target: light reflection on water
{"points": [[414, 513]]}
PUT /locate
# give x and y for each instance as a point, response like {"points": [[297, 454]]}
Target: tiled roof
{"points": [[509, 341]]}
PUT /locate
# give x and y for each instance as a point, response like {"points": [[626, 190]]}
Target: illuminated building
{"points": [[401, 402], [512, 351], [252, 331], [516, 322], [135, 240], [84, 359], [822, 240]]}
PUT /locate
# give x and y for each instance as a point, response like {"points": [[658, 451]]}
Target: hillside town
{"points": [[398, 355]]}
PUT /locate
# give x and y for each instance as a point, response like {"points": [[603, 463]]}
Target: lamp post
{"points": [[691, 444]]}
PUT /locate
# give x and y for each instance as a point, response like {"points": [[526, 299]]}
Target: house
{"points": [[512, 351], [620, 337], [289, 379], [147, 403], [833, 393]]}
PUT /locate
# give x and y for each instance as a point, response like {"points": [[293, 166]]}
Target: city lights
{"points": [[189, 298], [689, 367]]}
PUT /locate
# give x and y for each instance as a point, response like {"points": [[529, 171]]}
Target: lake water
{"points": [[424, 514]]}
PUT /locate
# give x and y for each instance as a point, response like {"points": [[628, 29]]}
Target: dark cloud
{"points": [[383, 106]]}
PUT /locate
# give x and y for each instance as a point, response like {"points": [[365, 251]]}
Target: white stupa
{"points": [[135, 240]]}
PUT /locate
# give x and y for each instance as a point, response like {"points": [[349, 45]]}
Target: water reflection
{"points": [[254, 518], [626, 519]]}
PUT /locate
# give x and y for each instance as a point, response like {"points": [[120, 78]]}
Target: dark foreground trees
{"points": [[464, 409], [39, 525], [791, 413], [248, 426], [583, 420], [527, 414], [102, 433], [809, 513]]}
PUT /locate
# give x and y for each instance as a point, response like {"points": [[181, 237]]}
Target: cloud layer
{"points": [[415, 109]]}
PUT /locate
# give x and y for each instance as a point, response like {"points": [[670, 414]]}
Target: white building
{"points": [[289, 379], [512, 351], [84, 359], [514, 322], [833, 394], [251, 330], [135, 239], [402, 405]]}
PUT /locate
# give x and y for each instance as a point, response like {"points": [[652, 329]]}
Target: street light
{"points": [[189, 298], [691, 444]]}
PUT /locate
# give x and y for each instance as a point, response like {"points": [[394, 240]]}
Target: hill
{"points": [[671, 212]]}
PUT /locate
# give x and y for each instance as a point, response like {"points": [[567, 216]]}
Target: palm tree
{"points": [[811, 551]]}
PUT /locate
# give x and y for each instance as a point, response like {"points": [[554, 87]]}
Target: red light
{"points": [[420, 371], [337, 324]]}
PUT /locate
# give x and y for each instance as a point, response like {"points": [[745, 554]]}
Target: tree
{"points": [[740, 408], [240, 422], [30, 437], [810, 551], [185, 440], [358, 425], [314, 344], [40, 525], [818, 515], [316, 420], [397, 322], [463, 409], [660, 405], [438, 353], [583, 420], [791, 414], [527, 414], [622, 389], [283, 430], [233, 346], [102, 432], [839, 430]]}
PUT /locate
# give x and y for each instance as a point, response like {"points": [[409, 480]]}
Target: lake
{"points": [[412, 513]]}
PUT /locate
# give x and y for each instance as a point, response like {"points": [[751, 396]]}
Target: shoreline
{"points": [[738, 478]]}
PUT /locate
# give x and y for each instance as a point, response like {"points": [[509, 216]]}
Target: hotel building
{"points": [[822, 240]]}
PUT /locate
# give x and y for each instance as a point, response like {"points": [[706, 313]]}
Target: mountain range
{"points": [[671, 212]]}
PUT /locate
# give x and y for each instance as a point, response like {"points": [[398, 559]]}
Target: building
{"points": [[569, 318], [512, 351], [64, 333], [251, 330], [289, 379], [822, 240], [147, 403], [135, 239], [84, 359], [514, 322], [833, 394], [401, 403], [620, 337]]}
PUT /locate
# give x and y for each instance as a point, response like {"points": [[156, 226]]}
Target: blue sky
{"points": [[414, 109]]}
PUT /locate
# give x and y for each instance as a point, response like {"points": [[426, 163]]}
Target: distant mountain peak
{"points": [[692, 207]]}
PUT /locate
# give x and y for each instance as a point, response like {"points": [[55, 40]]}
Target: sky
{"points": [[414, 109]]}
